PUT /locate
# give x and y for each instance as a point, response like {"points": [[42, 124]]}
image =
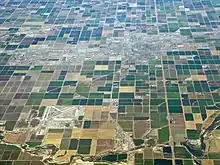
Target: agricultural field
{"points": [[124, 82]]}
